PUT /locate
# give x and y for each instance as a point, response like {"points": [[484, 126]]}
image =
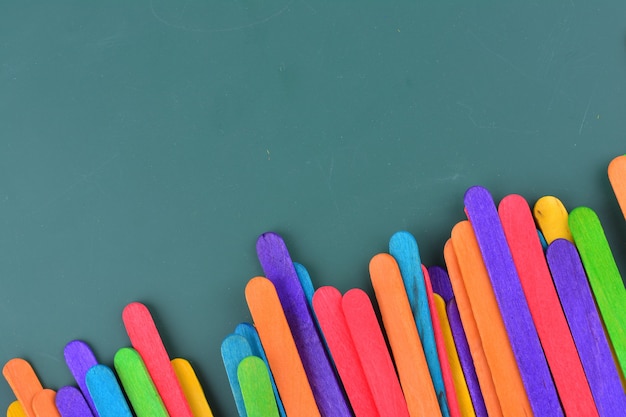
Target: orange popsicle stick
{"points": [[617, 178], [280, 348], [402, 333], [44, 405], [24, 383], [483, 373], [505, 373]]}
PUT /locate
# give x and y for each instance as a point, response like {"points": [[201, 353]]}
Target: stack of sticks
{"points": [[526, 318]]}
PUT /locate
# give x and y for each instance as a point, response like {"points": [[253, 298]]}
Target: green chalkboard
{"points": [[145, 145]]}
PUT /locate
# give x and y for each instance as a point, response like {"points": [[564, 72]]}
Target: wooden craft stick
{"points": [[584, 322], [71, 402], [440, 282], [106, 392], [234, 349], [327, 302], [248, 331], [280, 348], [371, 348], [15, 409], [44, 405], [79, 359], [23, 381], [305, 281], [446, 371], [462, 392], [278, 267], [545, 308], [617, 178], [495, 341], [551, 217], [402, 335], [191, 388], [512, 303], [138, 384], [145, 338], [256, 388], [465, 359], [481, 364], [604, 277], [403, 248]]}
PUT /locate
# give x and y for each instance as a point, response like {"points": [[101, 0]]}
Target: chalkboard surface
{"points": [[145, 145]]}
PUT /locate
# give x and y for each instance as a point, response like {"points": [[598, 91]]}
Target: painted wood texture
{"points": [[604, 277], [545, 307], [44, 404], [617, 178], [106, 392], [79, 359], [191, 388], [145, 338], [586, 327], [15, 409], [279, 269], [327, 303], [71, 402], [280, 348], [256, 388], [234, 349], [370, 345], [440, 281], [23, 381], [403, 247], [551, 217], [514, 309]]}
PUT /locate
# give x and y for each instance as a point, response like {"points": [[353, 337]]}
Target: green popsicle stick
{"points": [[256, 388], [604, 277], [137, 384]]}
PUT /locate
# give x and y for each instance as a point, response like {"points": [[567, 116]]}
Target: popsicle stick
{"points": [[106, 392], [462, 392], [545, 308], [372, 350], [551, 217], [138, 384], [495, 340], [23, 381], [71, 402], [145, 338], [79, 359], [465, 359], [441, 282], [256, 388], [280, 348], [605, 280], [305, 281], [191, 388], [481, 364], [234, 349], [248, 331], [15, 409], [327, 302], [402, 335], [586, 327], [279, 269], [617, 178], [515, 312], [44, 405], [446, 372], [403, 248]]}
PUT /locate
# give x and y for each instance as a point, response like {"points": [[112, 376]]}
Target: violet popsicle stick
{"points": [[465, 357], [71, 403], [279, 269], [586, 327], [507, 288], [440, 281], [79, 359], [403, 247]]}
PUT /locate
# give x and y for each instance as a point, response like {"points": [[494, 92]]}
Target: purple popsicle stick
{"points": [[79, 359], [440, 281], [465, 357], [584, 323], [507, 288], [278, 268], [71, 403]]}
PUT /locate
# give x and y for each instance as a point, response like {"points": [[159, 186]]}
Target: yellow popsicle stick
{"points": [[24, 383], [617, 178], [460, 386], [44, 405], [15, 410], [191, 388], [551, 217]]}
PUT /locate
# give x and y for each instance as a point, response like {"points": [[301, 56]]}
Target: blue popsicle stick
{"points": [[234, 349], [106, 392]]}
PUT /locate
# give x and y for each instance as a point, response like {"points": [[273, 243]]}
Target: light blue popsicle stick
{"points": [[106, 392], [234, 349]]}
